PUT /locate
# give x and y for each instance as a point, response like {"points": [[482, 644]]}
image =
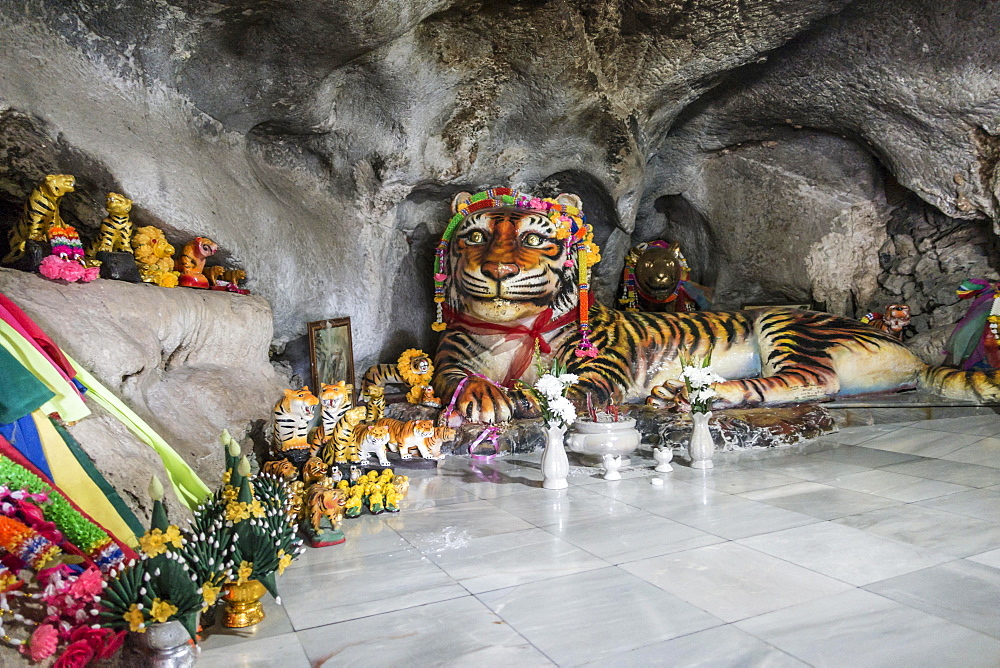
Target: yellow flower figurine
{"points": [[153, 543], [209, 593], [173, 536], [284, 560], [256, 509], [135, 619], [162, 610], [244, 572]]}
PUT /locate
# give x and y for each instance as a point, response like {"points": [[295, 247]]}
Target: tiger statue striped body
{"points": [[116, 230], [372, 439], [334, 401], [41, 212], [413, 368], [407, 436], [511, 285], [292, 416], [375, 396], [340, 448]]}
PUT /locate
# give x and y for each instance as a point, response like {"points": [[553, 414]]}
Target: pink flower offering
{"points": [[43, 642]]}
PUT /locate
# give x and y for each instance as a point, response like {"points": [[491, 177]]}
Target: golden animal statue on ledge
{"points": [[41, 212]]}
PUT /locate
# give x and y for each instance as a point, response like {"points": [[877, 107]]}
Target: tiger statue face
{"points": [[377, 435], [203, 247], [421, 365], [333, 396], [897, 317], [281, 468], [423, 428], [56, 185], [301, 403], [507, 264], [118, 205]]}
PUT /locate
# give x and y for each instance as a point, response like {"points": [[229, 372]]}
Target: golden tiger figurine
{"points": [[191, 262], [340, 448], [155, 257], [220, 278], [508, 283], [313, 470], [115, 234], [413, 368], [41, 212], [334, 400], [292, 416]]}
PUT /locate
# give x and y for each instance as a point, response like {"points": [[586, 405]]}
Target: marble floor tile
{"points": [[719, 646], [905, 488], [982, 453], [460, 632], [639, 536], [542, 507], [922, 442], [981, 425], [510, 559], [284, 650], [818, 500], [808, 467], [961, 591], [928, 528], [733, 581], [844, 553], [858, 435], [595, 615], [488, 481], [958, 473], [428, 491], [443, 526], [732, 481], [859, 629], [991, 558], [367, 534], [983, 504], [276, 623], [671, 493], [860, 456], [360, 587], [734, 517]]}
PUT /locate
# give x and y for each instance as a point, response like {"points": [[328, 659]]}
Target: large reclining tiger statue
{"points": [[507, 286]]}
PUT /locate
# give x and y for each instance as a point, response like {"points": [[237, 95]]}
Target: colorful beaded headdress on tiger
{"points": [[571, 228]]}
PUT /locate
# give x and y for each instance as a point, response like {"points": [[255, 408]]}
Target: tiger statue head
{"points": [[334, 396], [658, 270], [313, 470], [506, 263], [297, 403], [415, 367], [377, 435], [118, 205], [56, 185]]}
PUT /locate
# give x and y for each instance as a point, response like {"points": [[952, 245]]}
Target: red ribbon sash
{"points": [[527, 336]]}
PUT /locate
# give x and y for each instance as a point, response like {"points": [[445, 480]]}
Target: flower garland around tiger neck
{"points": [[571, 228]]}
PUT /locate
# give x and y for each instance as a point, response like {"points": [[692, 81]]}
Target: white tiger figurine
{"points": [[373, 440], [292, 416]]}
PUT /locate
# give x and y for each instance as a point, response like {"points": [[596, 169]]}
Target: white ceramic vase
{"points": [[663, 455], [701, 447], [555, 463], [611, 465]]}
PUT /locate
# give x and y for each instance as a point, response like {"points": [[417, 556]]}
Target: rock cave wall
{"points": [[834, 152]]}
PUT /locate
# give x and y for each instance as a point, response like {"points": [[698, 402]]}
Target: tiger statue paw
{"points": [[480, 400], [672, 394]]}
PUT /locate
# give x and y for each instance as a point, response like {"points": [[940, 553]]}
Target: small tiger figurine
{"points": [[115, 234], [340, 446], [892, 322], [372, 439], [407, 436], [281, 468], [413, 368], [221, 278], [376, 403], [292, 416], [41, 212], [323, 500], [191, 263], [434, 443], [313, 470], [335, 399]]}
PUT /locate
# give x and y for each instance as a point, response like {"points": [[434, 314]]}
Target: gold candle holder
{"points": [[243, 606]]}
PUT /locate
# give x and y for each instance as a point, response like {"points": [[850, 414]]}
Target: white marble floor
{"points": [[875, 546]]}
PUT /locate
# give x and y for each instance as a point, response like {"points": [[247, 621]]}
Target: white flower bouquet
{"points": [[699, 380], [550, 395]]}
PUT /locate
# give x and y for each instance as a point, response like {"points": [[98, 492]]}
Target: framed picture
{"points": [[331, 353]]}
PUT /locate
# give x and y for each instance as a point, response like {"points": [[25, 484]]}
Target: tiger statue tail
{"points": [[978, 386]]}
